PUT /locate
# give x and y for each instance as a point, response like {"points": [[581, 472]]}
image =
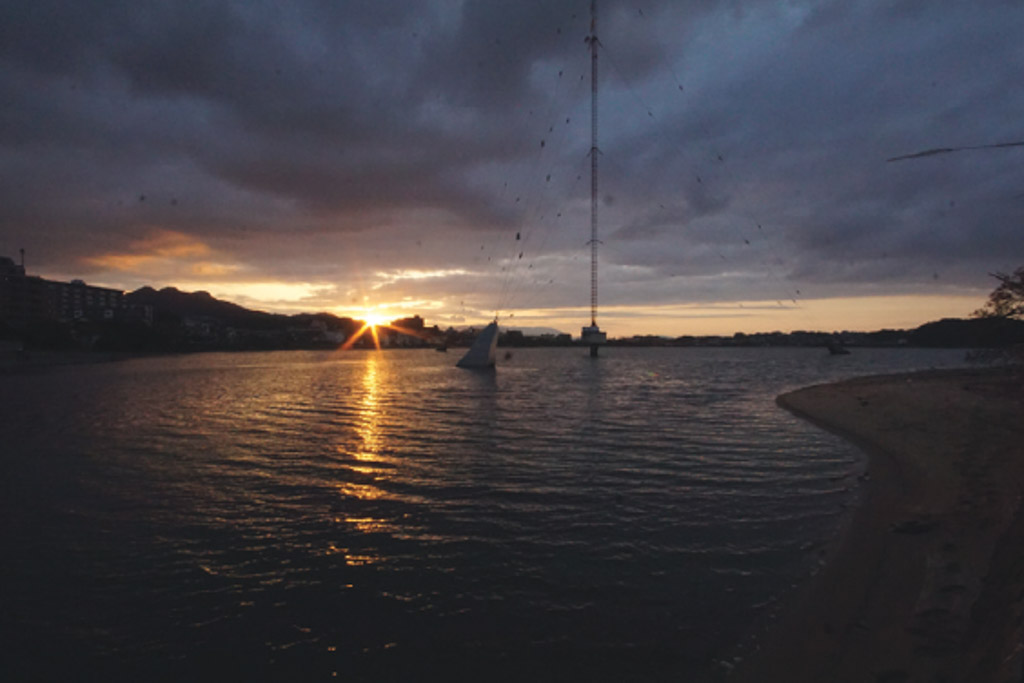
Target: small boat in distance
{"points": [[835, 347]]}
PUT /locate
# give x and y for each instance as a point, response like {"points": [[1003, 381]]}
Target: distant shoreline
{"points": [[927, 582], [12, 360]]}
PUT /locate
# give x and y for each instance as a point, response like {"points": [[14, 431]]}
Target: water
{"points": [[373, 516]]}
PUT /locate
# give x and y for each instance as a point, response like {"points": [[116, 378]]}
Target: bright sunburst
{"points": [[371, 321], [374, 319]]}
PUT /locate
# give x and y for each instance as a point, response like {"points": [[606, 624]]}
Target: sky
{"points": [[399, 157]]}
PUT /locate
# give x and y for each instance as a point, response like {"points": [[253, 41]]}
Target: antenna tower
{"points": [[593, 335]]}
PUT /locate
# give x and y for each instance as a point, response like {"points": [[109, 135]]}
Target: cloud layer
{"points": [[340, 151]]}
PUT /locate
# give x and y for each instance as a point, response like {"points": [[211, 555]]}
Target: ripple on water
{"points": [[386, 516]]}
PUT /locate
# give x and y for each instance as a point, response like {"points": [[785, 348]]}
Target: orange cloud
{"points": [[158, 251], [211, 269], [129, 263]]}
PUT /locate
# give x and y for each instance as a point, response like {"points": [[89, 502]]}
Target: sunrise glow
{"points": [[374, 318]]}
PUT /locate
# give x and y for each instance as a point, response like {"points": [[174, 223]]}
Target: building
{"points": [[25, 299]]}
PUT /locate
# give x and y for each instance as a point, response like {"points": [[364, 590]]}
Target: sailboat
{"points": [[481, 354]]}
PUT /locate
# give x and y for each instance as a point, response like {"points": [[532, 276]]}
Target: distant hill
{"points": [[173, 301], [197, 321], [969, 333]]}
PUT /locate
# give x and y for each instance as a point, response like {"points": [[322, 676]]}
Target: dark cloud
{"points": [[744, 144]]}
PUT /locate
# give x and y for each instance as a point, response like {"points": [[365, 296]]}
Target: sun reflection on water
{"points": [[370, 525], [361, 491], [366, 447], [368, 421], [368, 462]]}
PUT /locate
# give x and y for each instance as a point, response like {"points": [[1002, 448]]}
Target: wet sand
{"points": [[927, 582]]}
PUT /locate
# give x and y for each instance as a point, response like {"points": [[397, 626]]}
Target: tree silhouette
{"points": [[1006, 300]]}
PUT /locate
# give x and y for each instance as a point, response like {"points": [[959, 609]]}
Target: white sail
{"points": [[481, 353]]}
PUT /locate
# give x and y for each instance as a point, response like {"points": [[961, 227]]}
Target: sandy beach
{"points": [[927, 583]]}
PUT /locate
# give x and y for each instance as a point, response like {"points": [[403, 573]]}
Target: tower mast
{"points": [[593, 335], [593, 162]]}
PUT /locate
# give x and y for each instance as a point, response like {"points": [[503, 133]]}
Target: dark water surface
{"points": [[385, 517]]}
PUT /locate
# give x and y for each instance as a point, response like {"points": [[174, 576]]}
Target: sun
{"points": [[374, 319]]}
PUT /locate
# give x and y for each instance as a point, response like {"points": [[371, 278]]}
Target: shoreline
{"points": [[926, 582]]}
